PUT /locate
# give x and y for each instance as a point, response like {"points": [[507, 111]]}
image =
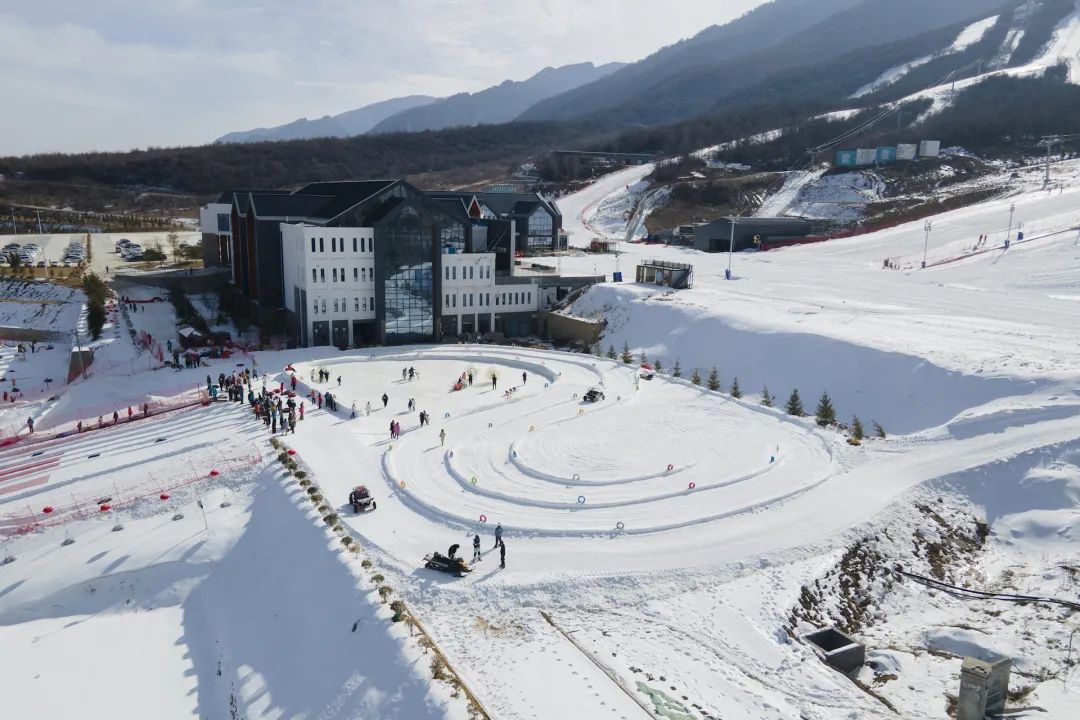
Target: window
{"points": [[312, 244], [324, 306], [372, 305], [316, 307], [322, 274], [447, 269], [471, 271], [447, 300], [223, 222], [452, 238], [333, 244], [334, 274], [356, 305], [541, 230], [342, 274], [355, 274], [529, 301], [354, 244], [364, 272], [488, 300], [453, 300], [365, 304], [314, 275], [321, 248]]}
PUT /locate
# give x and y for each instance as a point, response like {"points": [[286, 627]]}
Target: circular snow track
{"points": [[532, 455]]}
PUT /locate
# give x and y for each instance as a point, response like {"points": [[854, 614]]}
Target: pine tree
{"points": [[878, 430], [644, 357], [736, 391], [611, 352], [714, 379], [766, 397], [695, 377], [627, 357], [826, 413], [598, 350], [676, 371], [794, 405], [659, 366], [857, 431]]}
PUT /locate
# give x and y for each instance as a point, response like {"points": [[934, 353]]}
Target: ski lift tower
{"points": [[1049, 142]]}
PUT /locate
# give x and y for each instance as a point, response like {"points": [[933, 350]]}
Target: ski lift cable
{"points": [[972, 594]]}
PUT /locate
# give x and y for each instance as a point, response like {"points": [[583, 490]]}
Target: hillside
{"points": [[498, 104], [346, 124]]}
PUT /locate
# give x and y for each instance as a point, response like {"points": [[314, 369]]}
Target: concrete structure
{"points": [[930, 148], [837, 649], [984, 687], [750, 233], [215, 221], [679, 276]]}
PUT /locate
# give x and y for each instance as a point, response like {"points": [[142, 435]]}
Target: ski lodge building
{"points": [[379, 262]]}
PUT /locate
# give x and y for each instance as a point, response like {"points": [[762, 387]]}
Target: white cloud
{"points": [[117, 74]]}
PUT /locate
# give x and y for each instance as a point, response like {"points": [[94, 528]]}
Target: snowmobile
{"points": [[447, 564], [361, 499], [594, 395]]}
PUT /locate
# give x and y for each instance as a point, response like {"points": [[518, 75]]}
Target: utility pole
{"points": [[40, 231], [14, 226], [926, 243], [1048, 142], [731, 248], [1008, 235]]}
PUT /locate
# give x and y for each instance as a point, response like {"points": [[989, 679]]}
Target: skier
{"points": [[404, 374], [498, 535], [30, 424], [470, 379], [502, 555], [412, 373], [367, 408], [385, 400], [339, 381], [442, 437], [494, 381], [412, 404], [353, 414], [524, 377], [476, 548]]}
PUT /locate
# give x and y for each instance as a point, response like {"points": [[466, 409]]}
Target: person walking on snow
{"points": [[115, 417], [367, 409], [385, 400], [404, 374], [301, 411], [129, 413], [353, 414], [502, 555], [476, 548], [293, 381], [30, 425], [339, 381], [498, 535], [524, 377], [442, 437], [393, 426]]}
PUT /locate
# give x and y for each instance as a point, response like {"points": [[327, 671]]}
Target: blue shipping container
{"points": [[846, 158], [886, 154]]}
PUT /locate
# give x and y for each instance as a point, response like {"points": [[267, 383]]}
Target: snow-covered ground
{"points": [[665, 547]]}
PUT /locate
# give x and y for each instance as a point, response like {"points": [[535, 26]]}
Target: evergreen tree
{"points": [[644, 357], [611, 352], [658, 365], [736, 391], [676, 371], [878, 430], [766, 397], [627, 357], [695, 377], [857, 431], [714, 379], [794, 404], [826, 413]]}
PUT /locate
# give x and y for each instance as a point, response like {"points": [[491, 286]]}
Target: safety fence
{"points": [[96, 417], [148, 491]]}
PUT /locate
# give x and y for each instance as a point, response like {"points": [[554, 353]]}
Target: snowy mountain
{"points": [[498, 104], [346, 124]]}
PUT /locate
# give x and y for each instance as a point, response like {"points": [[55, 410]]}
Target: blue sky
{"points": [[79, 75]]}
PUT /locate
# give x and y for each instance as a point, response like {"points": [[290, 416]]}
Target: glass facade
{"points": [[407, 272], [452, 238], [541, 229]]}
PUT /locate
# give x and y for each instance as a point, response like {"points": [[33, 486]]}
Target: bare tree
{"points": [[173, 238]]}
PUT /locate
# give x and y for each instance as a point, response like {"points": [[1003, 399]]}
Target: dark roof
{"points": [[763, 222], [275, 205], [501, 204], [454, 207], [343, 194]]}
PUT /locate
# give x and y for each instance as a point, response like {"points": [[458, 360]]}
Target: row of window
{"points": [[338, 245], [360, 274], [468, 272], [343, 306], [484, 299]]}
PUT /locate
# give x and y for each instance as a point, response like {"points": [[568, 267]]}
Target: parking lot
{"points": [[102, 255]]}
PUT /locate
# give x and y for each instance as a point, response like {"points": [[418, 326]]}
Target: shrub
{"points": [[365, 564], [316, 498], [377, 578], [301, 476], [346, 541], [324, 508], [878, 430], [385, 591], [331, 518], [283, 458], [292, 465], [313, 491], [275, 443], [857, 431], [398, 606], [438, 670], [304, 482], [695, 377]]}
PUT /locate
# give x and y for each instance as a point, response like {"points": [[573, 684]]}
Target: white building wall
{"points": [[208, 217], [335, 266]]}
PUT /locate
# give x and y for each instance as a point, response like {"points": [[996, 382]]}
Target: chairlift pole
{"points": [[731, 246], [926, 244]]}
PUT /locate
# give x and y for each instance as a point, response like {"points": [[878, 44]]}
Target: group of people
{"points": [[477, 556], [409, 373], [318, 375], [276, 412], [395, 430], [129, 304], [323, 398]]}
